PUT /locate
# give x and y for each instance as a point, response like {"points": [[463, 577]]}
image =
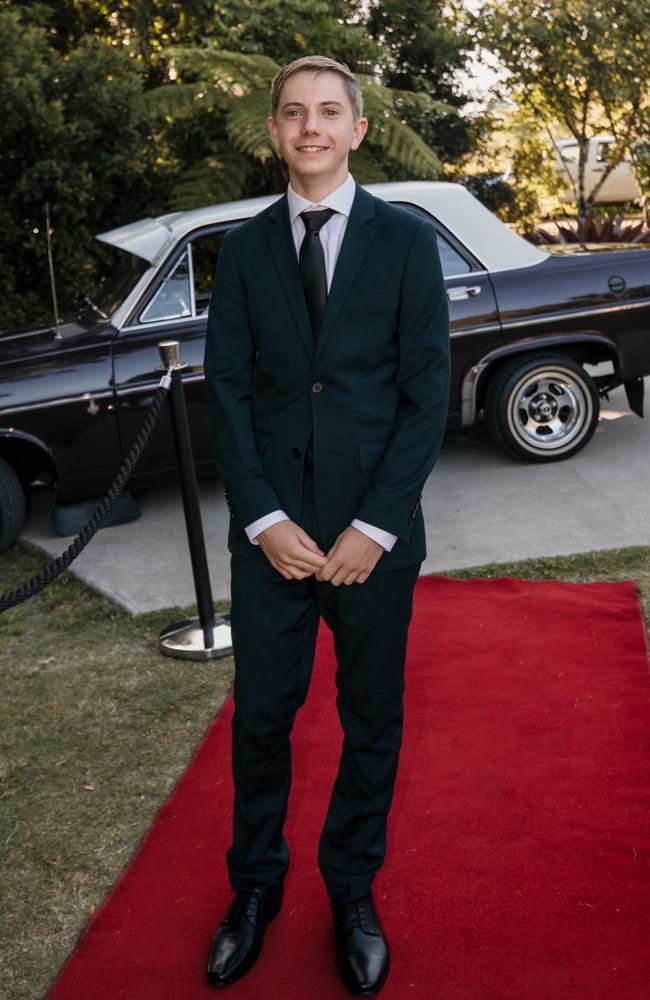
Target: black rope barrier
{"points": [[94, 522]]}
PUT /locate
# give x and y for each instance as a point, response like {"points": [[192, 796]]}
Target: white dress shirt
{"points": [[331, 237]]}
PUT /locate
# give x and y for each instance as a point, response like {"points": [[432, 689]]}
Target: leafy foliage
{"points": [[593, 229], [120, 111], [72, 133], [238, 84], [577, 64]]}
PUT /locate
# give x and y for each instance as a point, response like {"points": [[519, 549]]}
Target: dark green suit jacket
{"points": [[373, 389]]}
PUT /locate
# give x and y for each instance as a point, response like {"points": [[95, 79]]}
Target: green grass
{"points": [[97, 726]]}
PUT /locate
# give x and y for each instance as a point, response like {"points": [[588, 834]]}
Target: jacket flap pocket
{"points": [[372, 452]]}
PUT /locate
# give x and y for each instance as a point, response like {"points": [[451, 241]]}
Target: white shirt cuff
{"points": [[384, 538], [252, 530]]}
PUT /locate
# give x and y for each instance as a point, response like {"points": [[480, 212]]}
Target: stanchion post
{"points": [[209, 636]]}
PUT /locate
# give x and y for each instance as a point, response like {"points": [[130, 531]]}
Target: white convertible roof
{"points": [[495, 245]]}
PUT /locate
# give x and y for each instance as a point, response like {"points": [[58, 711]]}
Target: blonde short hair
{"points": [[350, 82]]}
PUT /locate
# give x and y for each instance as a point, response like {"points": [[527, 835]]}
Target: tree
{"points": [[73, 133], [422, 44], [578, 64], [116, 111], [229, 93]]}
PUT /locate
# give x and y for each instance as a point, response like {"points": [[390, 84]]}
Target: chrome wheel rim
{"points": [[549, 410]]}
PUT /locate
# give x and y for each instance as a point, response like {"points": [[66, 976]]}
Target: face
{"points": [[315, 126]]}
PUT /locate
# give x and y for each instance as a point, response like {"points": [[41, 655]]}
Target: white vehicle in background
{"points": [[621, 184]]}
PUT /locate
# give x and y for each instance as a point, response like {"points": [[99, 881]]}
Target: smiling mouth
{"points": [[311, 149]]}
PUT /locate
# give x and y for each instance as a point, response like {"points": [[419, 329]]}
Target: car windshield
{"points": [[121, 272]]}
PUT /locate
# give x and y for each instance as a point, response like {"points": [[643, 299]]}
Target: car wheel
{"points": [[543, 408], [12, 505]]}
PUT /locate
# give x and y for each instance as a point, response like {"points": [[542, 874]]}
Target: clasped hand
{"points": [[295, 555]]}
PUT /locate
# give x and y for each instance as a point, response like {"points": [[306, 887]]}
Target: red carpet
{"points": [[519, 841]]}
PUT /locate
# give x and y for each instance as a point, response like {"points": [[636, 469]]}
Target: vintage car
{"points": [[524, 322]]}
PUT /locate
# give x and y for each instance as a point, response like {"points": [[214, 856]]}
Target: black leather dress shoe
{"points": [[362, 950], [237, 941]]}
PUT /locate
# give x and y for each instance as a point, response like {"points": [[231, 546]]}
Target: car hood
{"points": [[21, 344]]}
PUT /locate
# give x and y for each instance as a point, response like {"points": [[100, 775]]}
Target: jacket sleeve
{"points": [[423, 377], [229, 370]]}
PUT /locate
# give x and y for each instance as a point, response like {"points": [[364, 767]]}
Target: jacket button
{"points": [[317, 386], [296, 452]]}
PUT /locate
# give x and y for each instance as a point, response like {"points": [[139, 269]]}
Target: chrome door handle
{"points": [[463, 292]]}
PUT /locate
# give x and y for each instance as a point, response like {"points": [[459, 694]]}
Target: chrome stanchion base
{"points": [[186, 641]]}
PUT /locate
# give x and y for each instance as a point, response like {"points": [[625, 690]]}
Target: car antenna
{"points": [[51, 263]]}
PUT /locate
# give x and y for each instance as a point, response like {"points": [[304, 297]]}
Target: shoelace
{"points": [[356, 915], [249, 903]]}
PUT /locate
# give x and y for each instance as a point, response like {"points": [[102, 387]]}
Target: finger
{"points": [[299, 564], [305, 560], [328, 570], [351, 578], [309, 543], [340, 576], [308, 555]]}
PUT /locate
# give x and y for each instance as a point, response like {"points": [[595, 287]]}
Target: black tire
{"points": [[543, 408], [13, 505]]}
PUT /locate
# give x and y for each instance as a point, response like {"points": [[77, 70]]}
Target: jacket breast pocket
{"points": [[372, 452], [374, 287]]}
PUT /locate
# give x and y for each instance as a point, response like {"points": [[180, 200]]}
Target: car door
{"points": [[474, 326], [620, 185], [175, 308]]}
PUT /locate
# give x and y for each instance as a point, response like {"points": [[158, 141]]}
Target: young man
{"points": [[327, 372]]}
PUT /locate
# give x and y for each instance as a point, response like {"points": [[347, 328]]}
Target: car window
{"points": [[570, 153], [450, 259], [205, 251], [185, 291], [173, 300], [121, 273], [602, 150]]}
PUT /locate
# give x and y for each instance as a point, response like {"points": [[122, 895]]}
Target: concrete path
{"points": [[479, 506]]}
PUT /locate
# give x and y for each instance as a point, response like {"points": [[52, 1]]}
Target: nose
{"points": [[310, 123]]}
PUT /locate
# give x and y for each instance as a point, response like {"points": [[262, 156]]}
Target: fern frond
{"points": [[363, 165], [234, 72], [221, 176], [246, 124], [182, 100]]}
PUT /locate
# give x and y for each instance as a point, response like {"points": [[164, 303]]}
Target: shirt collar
{"points": [[340, 199]]}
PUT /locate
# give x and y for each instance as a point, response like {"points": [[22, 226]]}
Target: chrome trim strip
{"points": [[466, 274], [152, 386], [485, 328], [142, 286], [85, 397], [190, 257], [571, 314], [468, 393], [163, 322]]}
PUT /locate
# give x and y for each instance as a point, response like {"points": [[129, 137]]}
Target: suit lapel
{"points": [[359, 232]]}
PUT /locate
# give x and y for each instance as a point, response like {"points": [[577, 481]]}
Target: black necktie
{"points": [[312, 264]]}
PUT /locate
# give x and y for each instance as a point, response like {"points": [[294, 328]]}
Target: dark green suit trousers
{"points": [[274, 624]]}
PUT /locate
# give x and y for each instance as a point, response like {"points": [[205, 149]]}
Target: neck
{"points": [[316, 188]]}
